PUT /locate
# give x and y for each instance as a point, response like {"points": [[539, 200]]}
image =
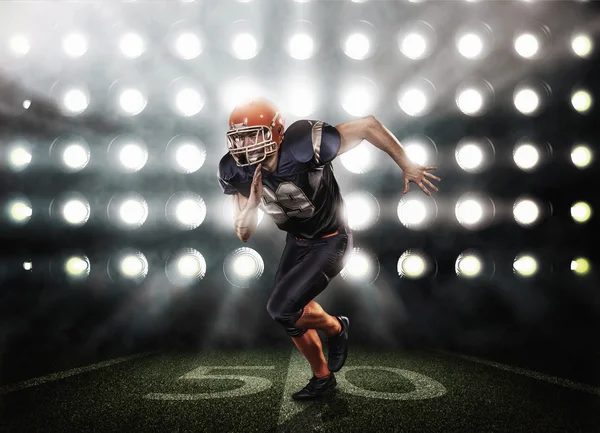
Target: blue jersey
{"points": [[301, 195]]}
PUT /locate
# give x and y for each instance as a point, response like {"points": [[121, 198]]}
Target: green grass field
{"points": [[249, 391]]}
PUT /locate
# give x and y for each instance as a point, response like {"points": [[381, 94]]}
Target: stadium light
{"points": [[474, 211], [131, 45], [469, 265], [474, 97], [580, 266], [73, 208], [362, 210], [526, 211], [72, 99], [414, 265], [242, 266], [359, 160], [186, 153], [474, 41], [525, 265], [301, 96], [77, 268], [128, 152], [581, 156], [416, 212], [128, 265], [19, 210], [416, 98], [244, 46], [301, 46], [474, 155], [581, 100], [75, 44], [19, 155], [359, 97], [186, 210], [72, 153], [416, 40], [582, 45], [19, 45], [186, 266], [526, 155], [581, 212], [361, 267], [128, 211]]}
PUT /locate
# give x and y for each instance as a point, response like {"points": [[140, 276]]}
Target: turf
{"points": [[377, 392]]}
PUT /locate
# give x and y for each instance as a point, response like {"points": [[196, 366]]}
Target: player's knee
{"points": [[279, 314]]}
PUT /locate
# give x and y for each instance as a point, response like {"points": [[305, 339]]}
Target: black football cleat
{"points": [[338, 346], [316, 388]]}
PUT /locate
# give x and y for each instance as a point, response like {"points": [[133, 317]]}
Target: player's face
{"points": [[250, 147]]}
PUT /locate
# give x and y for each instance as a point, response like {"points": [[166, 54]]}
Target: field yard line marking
{"points": [[298, 375], [67, 373], [578, 386]]}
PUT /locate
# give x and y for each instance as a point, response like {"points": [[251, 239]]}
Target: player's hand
{"points": [[256, 187], [419, 175]]}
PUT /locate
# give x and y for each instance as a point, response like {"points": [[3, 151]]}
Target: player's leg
{"points": [[307, 341], [315, 317]]}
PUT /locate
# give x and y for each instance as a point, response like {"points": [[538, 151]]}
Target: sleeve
{"points": [[314, 140], [326, 142], [225, 180]]}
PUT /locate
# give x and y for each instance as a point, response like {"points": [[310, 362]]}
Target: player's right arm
{"points": [[245, 210]]}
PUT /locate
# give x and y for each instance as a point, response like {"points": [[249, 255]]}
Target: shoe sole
{"points": [[347, 327], [325, 393]]}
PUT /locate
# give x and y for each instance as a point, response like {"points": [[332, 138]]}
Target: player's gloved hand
{"points": [[256, 188], [419, 174]]}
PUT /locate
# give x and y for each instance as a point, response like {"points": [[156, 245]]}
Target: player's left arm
{"points": [[368, 128]]}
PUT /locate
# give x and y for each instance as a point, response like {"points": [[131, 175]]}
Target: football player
{"points": [[288, 174]]}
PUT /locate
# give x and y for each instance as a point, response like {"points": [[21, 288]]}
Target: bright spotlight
{"points": [[134, 266], [186, 210], [357, 46], [473, 211], [19, 156], [19, 45], [362, 210], [186, 266], [19, 210], [188, 45], [413, 46], [128, 211], [75, 45], [301, 97], [132, 102], [525, 265], [416, 40], [469, 156], [189, 102], [420, 149], [359, 98], [473, 155], [470, 46], [242, 266], [580, 266], [468, 265], [416, 213], [581, 212], [582, 45], [133, 157], [527, 101], [581, 155], [470, 101], [131, 45], [415, 99], [28, 266], [526, 212], [581, 100], [360, 268], [72, 100], [76, 157], [76, 211], [413, 265], [77, 267], [244, 46], [413, 102], [359, 160], [526, 156], [527, 45], [301, 46], [240, 90], [71, 152]]}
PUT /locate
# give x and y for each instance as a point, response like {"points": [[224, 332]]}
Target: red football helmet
{"points": [[255, 131]]}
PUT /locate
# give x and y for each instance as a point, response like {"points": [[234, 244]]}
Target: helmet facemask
{"points": [[249, 145]]}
